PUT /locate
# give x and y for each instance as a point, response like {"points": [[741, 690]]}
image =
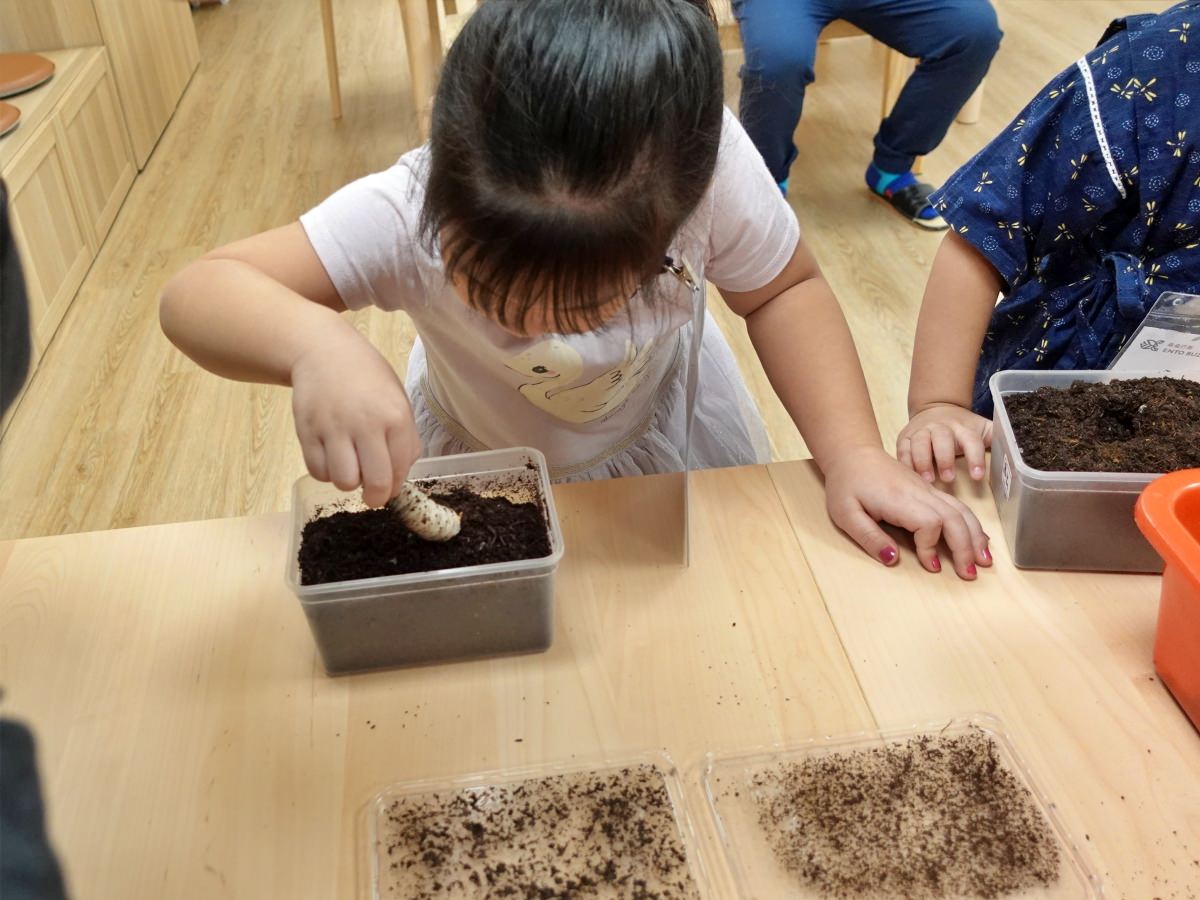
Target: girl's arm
{"points": [[958, 304], [808, 354], [263, 309]]}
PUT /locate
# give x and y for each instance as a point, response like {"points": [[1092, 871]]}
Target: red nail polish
{"points": [[986, 554], [935, 564], [888, 555], [971, 571]]}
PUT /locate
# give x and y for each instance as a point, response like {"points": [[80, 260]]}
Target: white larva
{"points": [[423, 516]]}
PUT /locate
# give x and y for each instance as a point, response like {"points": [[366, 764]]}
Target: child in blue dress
{"points": [[1079, 214]]}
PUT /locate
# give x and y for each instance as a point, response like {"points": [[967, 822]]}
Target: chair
{"points": [[431, 25]]}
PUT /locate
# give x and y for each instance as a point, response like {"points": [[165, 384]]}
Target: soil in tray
{"points": [[929, 817], [596, 835], [374, 542], [1147, 425]]}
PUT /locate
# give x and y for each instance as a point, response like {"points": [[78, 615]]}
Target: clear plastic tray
{"points": [[727, 780], [425, 617], [378, 862], [1080, 521]]}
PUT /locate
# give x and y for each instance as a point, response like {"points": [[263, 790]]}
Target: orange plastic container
{"points": [[1168, 512]]}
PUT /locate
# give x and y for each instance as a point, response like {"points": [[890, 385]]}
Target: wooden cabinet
{"points": [[99, 158], [151, 46], [30, 25], [55, 251], [68, 166]]}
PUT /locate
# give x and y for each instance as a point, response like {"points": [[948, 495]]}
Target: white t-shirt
{"points": [[572, 396]]}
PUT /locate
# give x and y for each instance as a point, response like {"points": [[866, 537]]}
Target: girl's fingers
{"points": [[926, 527], [979, 540], [957, 533], [945, 451], [342, 462], [404, 448], [314, 458], [375, 466], [866, 532], [972, 448], [922, 455], [904, 451]]}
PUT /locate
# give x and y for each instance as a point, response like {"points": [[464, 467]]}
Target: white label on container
{"points": [[1160, 350], [1006, 476]]}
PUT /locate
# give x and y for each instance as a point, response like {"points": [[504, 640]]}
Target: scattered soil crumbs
{"points": [[929, 817], [602, 835], [1136, 425], [374, 542]]}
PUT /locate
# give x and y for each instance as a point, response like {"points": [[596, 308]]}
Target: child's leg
{"points": [[955, 41], [780, 39]]}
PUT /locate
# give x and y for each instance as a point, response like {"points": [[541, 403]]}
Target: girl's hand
{"points": [[937, 435], [866, 486], [353, 417]]}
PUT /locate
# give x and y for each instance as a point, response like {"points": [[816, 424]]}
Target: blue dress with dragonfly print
{"points": [[1088, 204]]}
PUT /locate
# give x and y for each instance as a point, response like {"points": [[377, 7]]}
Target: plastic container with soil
{"points": [[466, 612], [946, 809], [1081, 521], [606, 828], [1169, 515]]}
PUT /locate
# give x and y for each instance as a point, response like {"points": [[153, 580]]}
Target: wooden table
{"points": [[193, 747]]}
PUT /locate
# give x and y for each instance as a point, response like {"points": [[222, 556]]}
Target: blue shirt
{"points": [[1088, 204]]}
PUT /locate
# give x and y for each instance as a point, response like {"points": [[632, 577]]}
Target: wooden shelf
{"points": [[36, 106]]}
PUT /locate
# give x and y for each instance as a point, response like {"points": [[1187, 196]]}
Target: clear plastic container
{"points": [[1065, 520], [728, 785], [383, 886], [426, 617]]}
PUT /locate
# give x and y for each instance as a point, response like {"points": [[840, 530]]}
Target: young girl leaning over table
{"points": [[1081, 213], [581, 165]]}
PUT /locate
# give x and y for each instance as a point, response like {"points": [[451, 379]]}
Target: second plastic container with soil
{"points": [[1072, 451]]}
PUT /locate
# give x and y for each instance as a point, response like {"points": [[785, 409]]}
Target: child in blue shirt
{"points": [[1079, 214]]}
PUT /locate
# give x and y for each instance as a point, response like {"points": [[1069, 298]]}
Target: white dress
{"points": [[602, 404]]}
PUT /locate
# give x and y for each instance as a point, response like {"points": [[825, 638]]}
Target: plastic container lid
{"points": [[475, 788], [733, 799]]}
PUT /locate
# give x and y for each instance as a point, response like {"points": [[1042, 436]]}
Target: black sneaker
{"points": [[908, 197], [912, 202]]}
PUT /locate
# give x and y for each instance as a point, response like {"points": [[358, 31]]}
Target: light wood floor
{"points": [[118, 429]]}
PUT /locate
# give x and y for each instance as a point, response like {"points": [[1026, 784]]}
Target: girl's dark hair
{"points": [[571, 139]]}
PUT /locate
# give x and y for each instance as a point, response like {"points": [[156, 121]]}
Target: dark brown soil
{"points": [[591, 835], [929, 817], [374, 542], [1147, 425]]}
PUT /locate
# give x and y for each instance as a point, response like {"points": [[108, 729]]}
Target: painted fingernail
{"points": [[977, 471], [935, 564], [971, 571], [986, 554], [888, 555]]}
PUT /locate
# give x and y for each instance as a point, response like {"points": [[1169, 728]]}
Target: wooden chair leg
{"points": [[971, 110], [896, 69], [331, 60], [423, 40]]}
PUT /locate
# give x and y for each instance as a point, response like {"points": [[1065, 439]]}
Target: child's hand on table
{"points": [[866, 486], [353, 418], [937, 435]]}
